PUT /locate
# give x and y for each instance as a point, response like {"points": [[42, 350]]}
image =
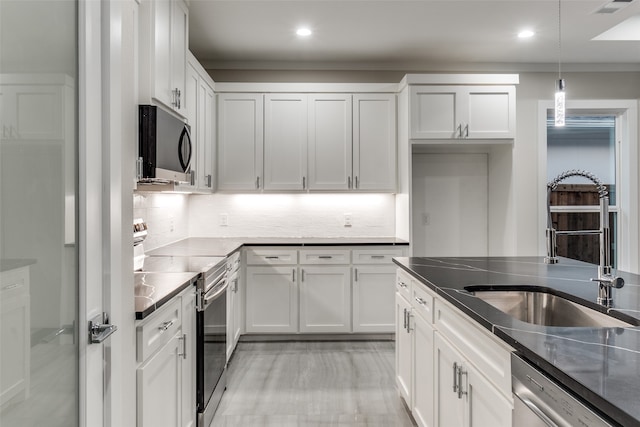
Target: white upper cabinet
{"points": [[164, 30], [240, 141], [374, 142], [462, 112], [330, 152], [285, 142]]}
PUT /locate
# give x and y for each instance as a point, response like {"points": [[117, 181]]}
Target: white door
{"points": [[404, 371], [240, 141], [325, 299], [272, 299], [434, 112], [330, 142], [373, 294], [285, 142], [374, 142], [423, 383], [450, 205], [449, 408]]}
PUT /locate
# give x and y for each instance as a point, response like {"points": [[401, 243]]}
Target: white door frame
{"points": [[628, 237]]}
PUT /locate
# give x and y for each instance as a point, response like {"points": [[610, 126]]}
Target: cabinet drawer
{"points": [[376, 256], [491, 356], [158, 329], [14, 282], [422, 302], [403, 284], [272, 256], [325, 256]]}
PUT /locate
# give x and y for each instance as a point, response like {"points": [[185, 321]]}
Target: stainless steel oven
{"points": [[211, 336]]}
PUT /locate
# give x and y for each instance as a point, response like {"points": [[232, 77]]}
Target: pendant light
{"points": [[559, 109]]}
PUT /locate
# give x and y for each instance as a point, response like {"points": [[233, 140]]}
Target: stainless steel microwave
{"points": [[165, 147]]}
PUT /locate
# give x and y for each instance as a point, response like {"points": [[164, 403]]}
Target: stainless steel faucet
{"points": [[607, 281]]}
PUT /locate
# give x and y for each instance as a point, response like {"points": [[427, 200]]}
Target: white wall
{"points": [[292, 215]]}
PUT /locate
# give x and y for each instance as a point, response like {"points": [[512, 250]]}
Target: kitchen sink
{"points": [[546, 309]]}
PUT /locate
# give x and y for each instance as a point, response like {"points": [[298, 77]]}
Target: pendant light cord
{"points": [[559, 40]]}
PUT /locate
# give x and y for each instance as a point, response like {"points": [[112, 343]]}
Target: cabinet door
{"points": [[161, 36], [330, 141], [325, 299], [486, 405], [404, 351], [178, 53], [190, 108], [240, 141], [234, 311], [15, 347], [423, 380], [205, 143], [374, 142], [490, 112], [188, 363], [373, 294], [159, 387], [272, 299], [285, 142], [434, 112], [449, 408]]}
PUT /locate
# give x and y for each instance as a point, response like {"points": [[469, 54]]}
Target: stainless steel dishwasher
{"points": [[540, 402]]}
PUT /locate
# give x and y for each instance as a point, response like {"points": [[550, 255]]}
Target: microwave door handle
{"points": [[183, 163]]}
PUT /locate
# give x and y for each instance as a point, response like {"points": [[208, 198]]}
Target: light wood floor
{"points": [[312, 384]]}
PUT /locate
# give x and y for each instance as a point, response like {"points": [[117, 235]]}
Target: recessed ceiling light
{"points": [[303, 32], [526, 34]]}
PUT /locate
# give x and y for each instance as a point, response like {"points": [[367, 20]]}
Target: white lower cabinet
{"points": [[166, 377], [272, 299], [159, 385], [325, 299], [188, 362], [449, 372], [373, 289]]}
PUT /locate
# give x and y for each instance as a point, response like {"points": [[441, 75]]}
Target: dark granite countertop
{"points": [[152, 290], [601, 365], [216, 246]]}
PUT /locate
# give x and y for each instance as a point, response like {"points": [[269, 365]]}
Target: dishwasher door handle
{"points": [[539, 412]]}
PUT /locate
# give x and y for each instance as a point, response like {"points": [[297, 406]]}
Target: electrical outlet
{"points": [[224, 220], [347, 220]]}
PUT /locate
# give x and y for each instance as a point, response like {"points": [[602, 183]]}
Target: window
{"points": [[587, 142]]}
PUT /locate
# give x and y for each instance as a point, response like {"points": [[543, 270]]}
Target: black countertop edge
{"points": [[146, 312], [598, 403]]}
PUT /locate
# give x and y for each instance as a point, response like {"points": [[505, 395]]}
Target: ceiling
{"points": [[414, 35]]}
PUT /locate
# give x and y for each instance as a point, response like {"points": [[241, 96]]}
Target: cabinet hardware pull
{"points": [[409, 316], [257, 183], [166, 325], [325, 256], [271, 257], [12, 286], [183, 339], [357, 182], [349, 182], [377, 256], [466, 131], [293, 277], [455, 377], [405, 319], [302, 274], [461, 372], [209, 181], [355, 270], [304, 182], [459, 130], [420, 301], [402, 284]]}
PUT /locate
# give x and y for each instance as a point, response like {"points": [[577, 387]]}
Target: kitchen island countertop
{"points": [[601, 365]]}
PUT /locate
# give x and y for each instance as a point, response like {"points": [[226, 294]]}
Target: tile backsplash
{"points": [[172, 217], [166, 215], [291, 215]]}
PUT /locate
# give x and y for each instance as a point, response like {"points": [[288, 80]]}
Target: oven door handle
{"points": [[208, 298]]}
